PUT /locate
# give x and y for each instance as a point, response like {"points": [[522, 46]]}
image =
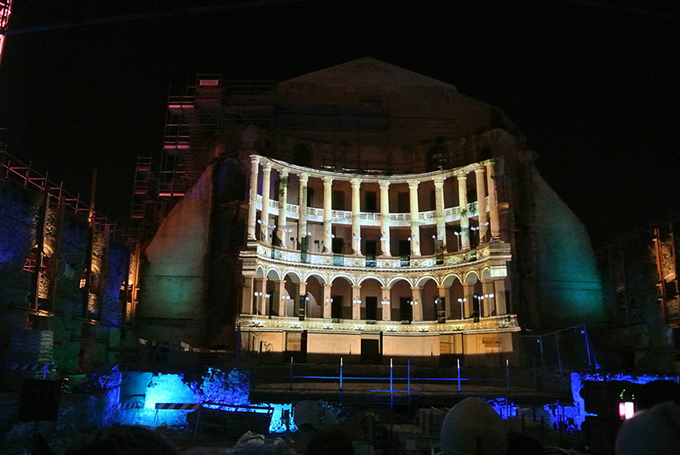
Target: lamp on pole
{"points": [[462, 313]]}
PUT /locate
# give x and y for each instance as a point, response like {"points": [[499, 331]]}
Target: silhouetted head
{"points": [[125, 440], [522, 444], [329, 441], [655, 392], [654, 431], [472, 427]]}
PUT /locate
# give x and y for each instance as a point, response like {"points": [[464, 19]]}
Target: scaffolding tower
{"points": [[193, 126]]}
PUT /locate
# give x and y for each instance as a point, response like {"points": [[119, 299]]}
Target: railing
{"points": [[426, 218], [361, 262], [399, 383], [502, 323]]}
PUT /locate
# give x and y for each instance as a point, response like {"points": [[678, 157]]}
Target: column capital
{"points": [[356, 287], [384, 184], [479, 168], [461, 175], [283, 172], [304, 177], [255, 159], [267, 166], [413, 184], [439, 181], [327, 180], [356, 183], [328, 285]]}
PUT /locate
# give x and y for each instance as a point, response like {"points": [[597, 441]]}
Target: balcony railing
{"points": [[425, 218], [503, 323], [277, 254]]}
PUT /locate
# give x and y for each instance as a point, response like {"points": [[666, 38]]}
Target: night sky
{"points": [[592, 84]]}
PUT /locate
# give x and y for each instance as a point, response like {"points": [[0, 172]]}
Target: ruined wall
{"points": [[18, 218], [61, 294], [172, 295], [568, 280]]}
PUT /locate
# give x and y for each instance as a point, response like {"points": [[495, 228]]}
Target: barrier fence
{"points": [[400, 380]]}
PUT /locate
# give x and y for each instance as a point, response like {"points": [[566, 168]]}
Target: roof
{"points": [[367, 72]]}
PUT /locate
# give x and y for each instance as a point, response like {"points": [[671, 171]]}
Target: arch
{"points": [[259, 272], [371, 295], [393, 281], [471, 277], [341, 295], [273, 274], [319, 277], [345, 276], [424, 279], [371, 277], [429, 294], [451, 278], [292, 275], [486, 274]]}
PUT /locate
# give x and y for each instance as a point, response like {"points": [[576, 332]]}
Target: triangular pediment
{"points": [[367, 72]]}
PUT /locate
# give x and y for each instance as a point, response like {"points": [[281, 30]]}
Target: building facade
{"points": [[366, 212]]}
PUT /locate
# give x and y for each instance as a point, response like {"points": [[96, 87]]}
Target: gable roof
{"points": [[367, 72]]}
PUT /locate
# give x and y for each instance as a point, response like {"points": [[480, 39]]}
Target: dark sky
{"points": [[592, 84]]}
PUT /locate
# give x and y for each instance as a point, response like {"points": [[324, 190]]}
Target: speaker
{"points": [[39, 400]]}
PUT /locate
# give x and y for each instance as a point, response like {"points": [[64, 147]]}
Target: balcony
{"points": [[504, 323], [367, 219], [315, 260]]}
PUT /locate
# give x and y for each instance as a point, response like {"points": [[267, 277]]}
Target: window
{"points": [[436, 158]]}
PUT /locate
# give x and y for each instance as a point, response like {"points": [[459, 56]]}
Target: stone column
{"points": [[356, 213], [417, 303], [499, 297], [415, 228], [494, 217], [252, 208], [302, 203], [444, 292], [301, 290], [283, 201], [463, 206], [327, 214], [264, 214], [260, 301], [386, 308], [481, 203], [327, 304], [440, 209], [356, 297], [279, 300], [487, 289], [468, 294], [248, 297], [385, 218]]}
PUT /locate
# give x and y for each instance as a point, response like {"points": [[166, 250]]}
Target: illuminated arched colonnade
{"points": [[303, 208], [469, 290]]}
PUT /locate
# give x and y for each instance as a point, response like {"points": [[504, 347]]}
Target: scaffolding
{"points": [[194, 123]]}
